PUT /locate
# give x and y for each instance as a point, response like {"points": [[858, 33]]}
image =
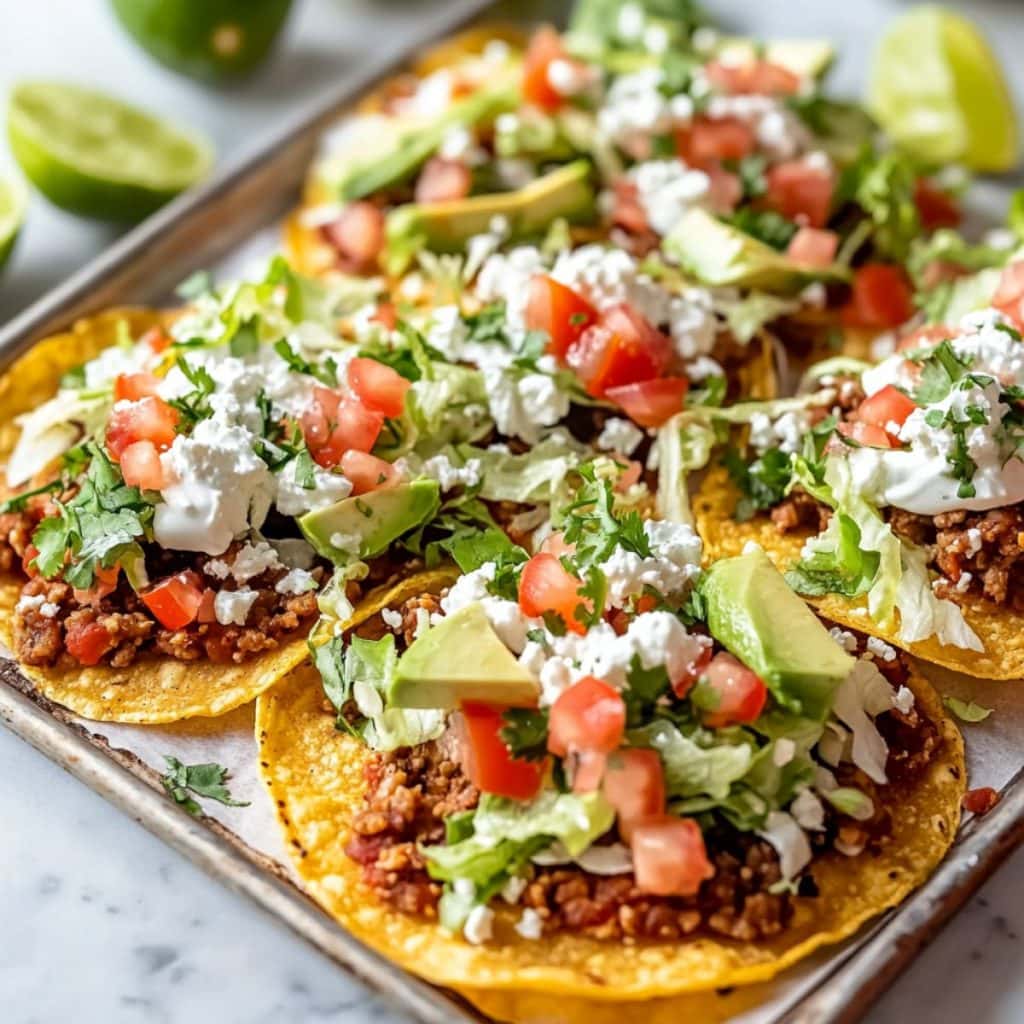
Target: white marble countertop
{"points": [[99, 921]]}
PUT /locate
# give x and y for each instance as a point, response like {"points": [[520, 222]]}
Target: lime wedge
{"points": [[12, 213], [938, 90], [212, 39], [94, 155]]}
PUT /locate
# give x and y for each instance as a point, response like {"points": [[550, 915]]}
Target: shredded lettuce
{"points": [[682, 446], [537, 475]]}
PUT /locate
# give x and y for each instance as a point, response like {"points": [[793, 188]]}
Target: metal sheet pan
{"points": [[207, 228]]}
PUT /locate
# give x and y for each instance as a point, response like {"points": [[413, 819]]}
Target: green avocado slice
{"points": [[752, 612], [460, 659]]}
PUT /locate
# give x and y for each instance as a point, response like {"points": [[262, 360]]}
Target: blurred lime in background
{"points": [[208, 39], [12, 213], [937, 88], [91, 154]]}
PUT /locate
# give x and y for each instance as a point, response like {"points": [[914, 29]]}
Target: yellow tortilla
{"points": [[1000, 629], [314, 775]]}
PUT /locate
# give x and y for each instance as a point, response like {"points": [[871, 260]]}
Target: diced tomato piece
{"points": [[335, 424], [669, 856], [88, 642], [936, 208], [546, 586], [631, 473], [706, 141], [156, 339], [140, 466], [554, 544], [881, 297], [486, 759], [628, 212], [1009, 296], [622, 348], [378, 386], [690, 663], [587, 770], [801, 191], [589, 715], [28, 561], [442, 181], [890, 405], [725, 190], [634, 784], [368, 473], [207, 607], [754, 76], [981, 800], [150, 419], [650, 402], [174, 601], [924, 337], [544, 49], [386, 315], [866, 434], [130, 387], [357, 235], [558, 311], [813, 247], [105, 583], [741, 692]]}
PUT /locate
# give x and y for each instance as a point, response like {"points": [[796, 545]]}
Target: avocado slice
{"points": [[460, 659], [370, 521], [717, 253], [806, 58], [413, 148], [752, 612], [446, 227]]}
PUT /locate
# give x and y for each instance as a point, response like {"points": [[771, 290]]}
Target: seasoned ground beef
{"points": [[799, 511], [409, 793]]}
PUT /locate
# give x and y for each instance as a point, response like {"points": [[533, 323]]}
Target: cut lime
{"points": [[208, 39], [939, 91], [94, 155], [12, 213]]}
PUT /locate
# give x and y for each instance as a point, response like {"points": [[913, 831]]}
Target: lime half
{"points": [[94, 155], [12, 213], [210, 39], [937, 88]]}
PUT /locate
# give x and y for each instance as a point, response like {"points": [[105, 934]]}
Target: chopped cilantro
{"points": [[195, 405], [761, 483], [325, 372], [525, 733], [205, 780], [765, 225]]}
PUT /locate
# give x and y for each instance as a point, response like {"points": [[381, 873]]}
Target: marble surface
{"points": [[99, 921]]}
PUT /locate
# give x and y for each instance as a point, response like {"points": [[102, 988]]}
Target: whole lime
{"points": [[207, 39]]}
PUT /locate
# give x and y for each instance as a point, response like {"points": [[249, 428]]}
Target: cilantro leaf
{"points": [[325, 372], [761, 483], [195, 405], [525, 733], [765, 225], [205, 780], [941, 368]]}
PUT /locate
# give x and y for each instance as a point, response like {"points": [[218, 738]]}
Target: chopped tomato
{"points": [[378, 386], [634, 784], [752, 76], [669, 856], [628, 212], [156, 339], [866, 434], [207, 607], [924, 337], [813, 247], [442, 181], [631, 473], [725, 190], [28, 566], [105, 583], [705, 141], [741, 692], [936, 208], [130, 387], [881, 297], [587, 770], [1009, 296], [486, 759], [555, 544], [150, 419], [335, 424], [357, 235], [88, 642], [801, 191], [386, 315], [650, 402], [368, 473], [589, 715], [697, 655], [622, 348], [980, 801], [174, 601], [889, 405], [558, 311], [140, 466], [544, 49], [545, 585]]}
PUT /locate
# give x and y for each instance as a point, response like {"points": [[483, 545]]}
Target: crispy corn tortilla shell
{"points": [[1000, 629], [314, 774], [154, 690]]}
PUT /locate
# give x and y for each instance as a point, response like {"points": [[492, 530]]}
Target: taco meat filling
{"points": [[410, 792]]}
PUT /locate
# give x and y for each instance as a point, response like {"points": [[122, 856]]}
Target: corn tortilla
{"points": [[999, 628]]}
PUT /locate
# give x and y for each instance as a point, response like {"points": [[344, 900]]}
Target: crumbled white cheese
{"points": [[29, 602], [392, 618], [49, 610], [253, 560], [523, 404], [530, 925], [666, 189], [292, 499], [844, 638], [448, 475], [479, 925], [880, 649], [232, 607], [903, 701], [783, 751], [673, 564], [295, 581], [513, 889], [619, 435]]}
